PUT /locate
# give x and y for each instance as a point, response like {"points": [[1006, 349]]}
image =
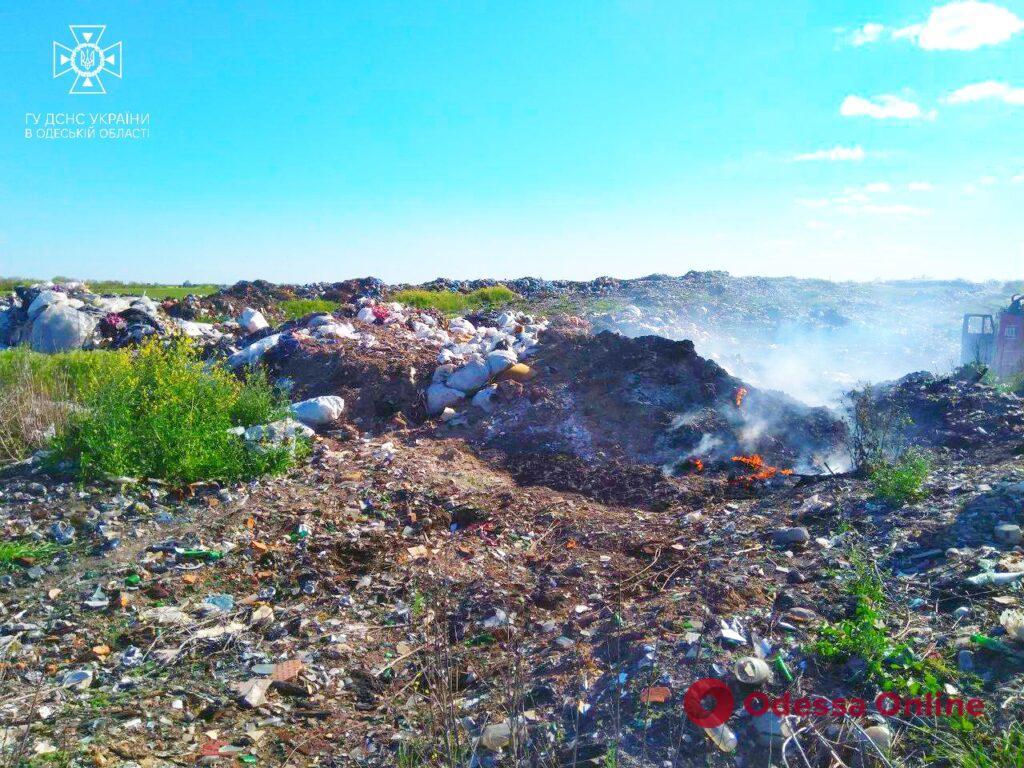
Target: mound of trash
{"points": [[657, 402], [393, 365], [957, 411], [68, 316]]}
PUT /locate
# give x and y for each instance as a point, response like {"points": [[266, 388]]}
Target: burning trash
{"points": [[758, 469], [741, 393], [692, 465]]}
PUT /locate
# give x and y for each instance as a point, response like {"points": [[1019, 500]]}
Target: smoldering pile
{"points": [[657, 402]]}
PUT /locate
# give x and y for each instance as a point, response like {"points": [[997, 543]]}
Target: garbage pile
{"points": [[391, 363], [332, 612], [954, 411], [265, 297], [655, 401], [57, 318], [813, 339], [516, 541]]}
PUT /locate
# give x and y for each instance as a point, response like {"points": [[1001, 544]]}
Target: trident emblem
{"points": [[87, 59]]}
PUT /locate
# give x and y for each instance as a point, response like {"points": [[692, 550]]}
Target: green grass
{"points": [[295, 308], [972, 747], [10, 283], [411, 755], [12, 551], [81, 371], [902, 480], [153, 290], [164, 414], [38, 392], [451, 302], [890, 665], [1014, 384]]}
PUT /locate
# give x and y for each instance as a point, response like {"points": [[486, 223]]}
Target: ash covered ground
{"points": [[527, 532]]}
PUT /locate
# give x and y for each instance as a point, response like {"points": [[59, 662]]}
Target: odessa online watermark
{"points": [[888, 704]]}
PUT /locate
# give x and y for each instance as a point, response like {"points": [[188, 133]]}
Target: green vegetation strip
{"points": [[295, 308], [451, 302], [13, 551]]}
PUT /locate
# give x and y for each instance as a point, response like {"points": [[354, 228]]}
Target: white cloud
{"points": [[963, 26], [920, 186], [989, 89], [869, 33], [884, 107], [1018, 179], [857, 201], [836, 154]]}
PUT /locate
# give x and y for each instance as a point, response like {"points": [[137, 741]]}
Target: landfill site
{"points": [[702, 520]]}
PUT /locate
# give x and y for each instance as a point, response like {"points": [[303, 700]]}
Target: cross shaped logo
{"points": [[87, 59]]}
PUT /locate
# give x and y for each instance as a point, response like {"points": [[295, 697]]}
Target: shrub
{"points": [[166, 414], [878, 431], [901, 480], [451, 302], [295, 308]]}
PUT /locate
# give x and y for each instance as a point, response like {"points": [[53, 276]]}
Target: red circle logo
{"points": [[702, 689]]}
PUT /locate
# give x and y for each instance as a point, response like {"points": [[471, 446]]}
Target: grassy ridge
{"points": [[38, 392], [451, 302], [295, 308], [79, 372]]}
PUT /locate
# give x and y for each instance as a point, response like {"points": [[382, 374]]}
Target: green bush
{"points": [[295, 308], [451, 302], [879, 430], [165, 414], [901, 480]]}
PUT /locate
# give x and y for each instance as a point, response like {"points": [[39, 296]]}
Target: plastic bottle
{"points": [[723, 737], [780, 664], [996, 645]]}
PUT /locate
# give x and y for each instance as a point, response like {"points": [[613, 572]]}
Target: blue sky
{"points": [[322, 140]]}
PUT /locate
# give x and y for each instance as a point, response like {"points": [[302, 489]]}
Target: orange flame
{"points": [[741, 392], [692, 464], [758, 469]]}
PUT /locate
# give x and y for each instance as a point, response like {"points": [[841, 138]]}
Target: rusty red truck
{"points": [[997, 345]]}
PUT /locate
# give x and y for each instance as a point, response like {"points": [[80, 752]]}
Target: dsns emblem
{"points": [[88, 59]]}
